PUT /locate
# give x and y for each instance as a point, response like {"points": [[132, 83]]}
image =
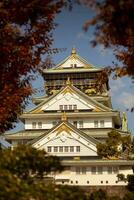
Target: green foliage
{"points": [[12, 187], [132, 146], [99, 195], [130, 179], [129, 196], [121, 177], [69, 193], [116, 146], [26, 162], [114, 138], [23, 173], [23, 177], [102, 195], [114, 198], [102, 150], [110, 148], [126, 142]]}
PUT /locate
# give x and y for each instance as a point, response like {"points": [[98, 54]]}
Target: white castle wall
{"points": [[87, 122], [92, 179]]}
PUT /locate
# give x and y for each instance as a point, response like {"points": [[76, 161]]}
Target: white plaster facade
{"points": [[73, 176], [81, 123]]}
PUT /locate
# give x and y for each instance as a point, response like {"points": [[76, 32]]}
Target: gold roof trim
{"points": [[68, 82], [73, 51], [64, 117], [63, 128]]}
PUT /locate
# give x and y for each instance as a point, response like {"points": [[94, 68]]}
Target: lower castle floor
{"points": [[104, 173]]}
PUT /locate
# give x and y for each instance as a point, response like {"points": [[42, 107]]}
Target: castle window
{"points": [[95, 124], [71, 65], [49, 149], [60, 149], [65, 107], [75, 123], [100, 170], [109, 170], [115, 170], [87, 182], [102, 123], [55, 149], [76, 182], [39, 124], [33, 124], [77, 148], [83, 170], [78, 170], [70, 107], [60, 107], [54, 123], [66, 149], [80, 124], [93, 170], [75, 107], [71, 149]]}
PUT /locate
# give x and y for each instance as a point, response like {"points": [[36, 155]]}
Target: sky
{"points": [[68, 34]]}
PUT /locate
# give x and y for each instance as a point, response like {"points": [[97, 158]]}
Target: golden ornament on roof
{"points": [[68, 82], [64, 117], [73, 50]]}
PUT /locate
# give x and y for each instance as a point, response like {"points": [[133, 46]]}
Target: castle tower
{"points": [[83, 75], [71, 119]]}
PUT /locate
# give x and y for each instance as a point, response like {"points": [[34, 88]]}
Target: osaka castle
{"points": [[71, 119]]}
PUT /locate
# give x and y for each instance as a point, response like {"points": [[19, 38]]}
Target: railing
{"points": [[74, 82]]}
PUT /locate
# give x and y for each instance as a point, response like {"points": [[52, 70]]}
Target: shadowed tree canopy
{"points": [[26, 162], [116, 146], [25, 35], [114, 27], [23, 176]]}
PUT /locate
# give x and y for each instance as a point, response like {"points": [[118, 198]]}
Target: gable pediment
{"points": [[71, 140], [69, 98], [74, 61]]}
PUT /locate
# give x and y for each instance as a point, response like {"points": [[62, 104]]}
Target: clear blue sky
{"points": [[69, 33]]}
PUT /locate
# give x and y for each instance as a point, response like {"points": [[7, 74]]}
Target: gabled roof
{"points": [[73, 63], [69, 128], [75, 57], [25, 134], [71, 90]]}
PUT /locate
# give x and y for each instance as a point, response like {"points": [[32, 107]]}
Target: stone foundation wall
{"points": [[111, 190]]}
